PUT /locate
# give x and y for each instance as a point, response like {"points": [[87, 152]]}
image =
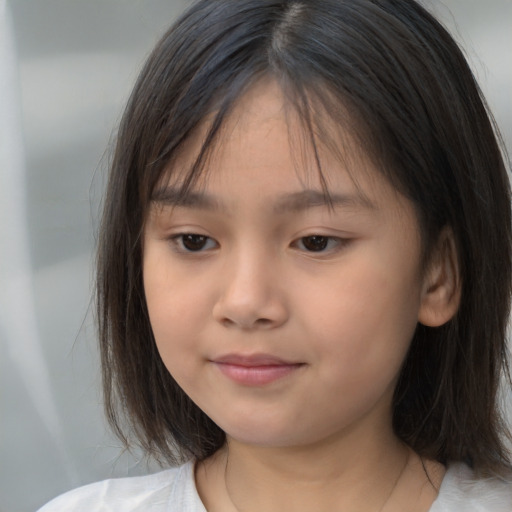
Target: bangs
{"points": [[317, 125]]}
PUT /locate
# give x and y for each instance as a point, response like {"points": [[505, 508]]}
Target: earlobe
{"points": [[442, 284]]}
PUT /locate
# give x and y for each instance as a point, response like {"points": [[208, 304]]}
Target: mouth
{"points": [[255, 370]]}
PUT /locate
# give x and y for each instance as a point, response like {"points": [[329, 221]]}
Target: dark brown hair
{"points": [[388, 71]]}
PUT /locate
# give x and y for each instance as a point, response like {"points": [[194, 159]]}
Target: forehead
{"points": [[265, 131]]}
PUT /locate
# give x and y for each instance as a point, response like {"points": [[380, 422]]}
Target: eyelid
{"points": [[176, 240], [335, 243], [339, 244]]}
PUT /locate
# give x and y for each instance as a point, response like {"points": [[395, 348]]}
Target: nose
{"points": [[251, 295]]}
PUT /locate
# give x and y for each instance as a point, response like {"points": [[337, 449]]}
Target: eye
{"points": [[318, 243], [192, 242]]}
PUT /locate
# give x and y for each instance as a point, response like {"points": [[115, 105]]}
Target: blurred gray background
{"points": [[70, 66]]}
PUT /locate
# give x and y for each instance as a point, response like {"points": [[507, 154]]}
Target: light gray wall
{"points": [[77, 61]]}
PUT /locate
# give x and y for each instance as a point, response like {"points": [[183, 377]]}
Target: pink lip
{"points": [[255, 370]]}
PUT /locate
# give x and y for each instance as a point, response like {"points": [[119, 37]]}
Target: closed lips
{"points": [[255, 370]]}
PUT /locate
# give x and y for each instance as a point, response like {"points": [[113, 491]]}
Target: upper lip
{"points": [[253, 360]]}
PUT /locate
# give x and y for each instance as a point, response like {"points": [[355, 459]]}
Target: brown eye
{"points": [[315, 243], [193, 243]]}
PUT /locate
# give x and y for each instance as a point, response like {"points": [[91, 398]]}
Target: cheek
{"points": [[174, 323], [174, 307], [365, 320], [172, 296]]}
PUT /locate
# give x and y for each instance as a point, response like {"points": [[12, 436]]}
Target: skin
{"points": [[338, 312]]}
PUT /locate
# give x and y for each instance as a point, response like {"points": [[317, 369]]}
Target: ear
{"points": [[441, 286]]}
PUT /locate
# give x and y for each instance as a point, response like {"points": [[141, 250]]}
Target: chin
{"points": [[265, 435], [261, 433]]}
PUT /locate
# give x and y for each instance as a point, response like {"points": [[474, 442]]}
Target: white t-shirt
{"points": [[174, 490]]}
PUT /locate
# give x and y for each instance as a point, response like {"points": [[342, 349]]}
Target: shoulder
{"points": [[172, 490], [462, 491]]}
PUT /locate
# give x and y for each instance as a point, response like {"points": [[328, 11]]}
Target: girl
{"points": [[304, 267]]}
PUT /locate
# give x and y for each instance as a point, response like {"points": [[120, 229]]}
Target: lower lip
{"points": [[256, 375]]}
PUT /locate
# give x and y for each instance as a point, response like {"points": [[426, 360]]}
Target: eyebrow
{"points": [[294, 202], [305, 199], [174, 197]]}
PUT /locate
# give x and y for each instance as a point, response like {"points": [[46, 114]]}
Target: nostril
{"points": [[260, 322], [226, 322], [263, 322]]}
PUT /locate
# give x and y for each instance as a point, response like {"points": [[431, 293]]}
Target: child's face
{"points": [[284, 321]]}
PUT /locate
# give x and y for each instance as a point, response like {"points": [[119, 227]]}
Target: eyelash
{"points": [[179, 242], [324, 243]]}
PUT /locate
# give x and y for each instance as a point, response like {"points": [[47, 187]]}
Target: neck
{"points": [[334, 475], [324, 477]]}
